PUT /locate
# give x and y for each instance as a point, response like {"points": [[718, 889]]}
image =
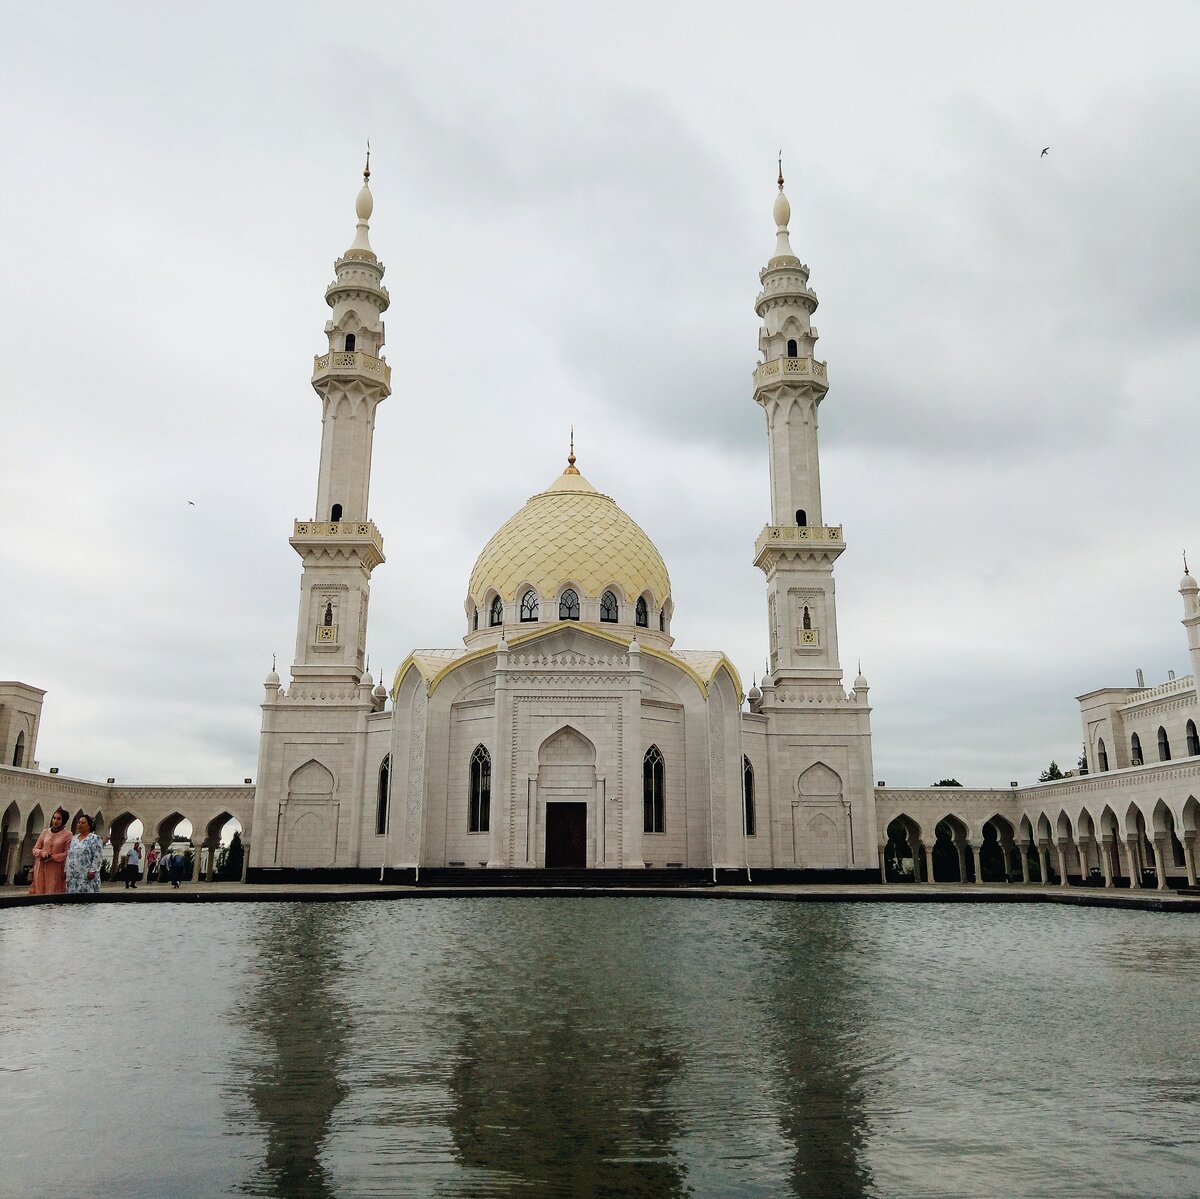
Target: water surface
{"points": [[606, 1047]]}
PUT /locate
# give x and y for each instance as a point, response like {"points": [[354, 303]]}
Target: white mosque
{"points": [[569, 732]]}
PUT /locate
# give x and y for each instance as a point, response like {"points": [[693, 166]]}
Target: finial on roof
{"points": [[367, 168], [782, 212], [272, 661], [571, 470], [781, 168], [364, 205], [1185, 566]]}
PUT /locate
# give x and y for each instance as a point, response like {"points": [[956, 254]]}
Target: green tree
{"points": [[1051, 773], [229, 868], [947, 783]]}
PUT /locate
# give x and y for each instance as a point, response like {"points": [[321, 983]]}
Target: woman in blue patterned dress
{"points": [[83, 859]]}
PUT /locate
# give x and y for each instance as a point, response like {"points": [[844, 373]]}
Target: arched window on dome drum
{"points": [[474, 618], [568, 606], [1164, 746], [653, 790], [801, 518], [1101, 756], [383, 791], [662, 620], [748, 795], [496, 612], [529, 606], [791, 349], [479, 810], [1135, 750], [1193, 742], [19, 751], [608, 608], [641, 613], [349, 341]]}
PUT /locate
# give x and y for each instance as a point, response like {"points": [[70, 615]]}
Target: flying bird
{"points": [[192, 503], [1044, 152]]}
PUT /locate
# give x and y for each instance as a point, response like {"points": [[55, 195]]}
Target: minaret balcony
{"points": [[780, 370], [776, 540], [339, 537], [348, 364]]}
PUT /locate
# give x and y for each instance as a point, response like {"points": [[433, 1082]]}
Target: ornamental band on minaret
{"points": [[341, 545], [796, 550]]}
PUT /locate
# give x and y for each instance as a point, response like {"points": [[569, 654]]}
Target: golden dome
{"points": [[570, 532]]}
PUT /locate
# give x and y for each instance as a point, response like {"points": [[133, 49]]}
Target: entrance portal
{"points": [[566, 835]]}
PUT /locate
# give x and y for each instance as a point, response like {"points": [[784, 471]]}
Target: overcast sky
{"points": [[573, 203]]}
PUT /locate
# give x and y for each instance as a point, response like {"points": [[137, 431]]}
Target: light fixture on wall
{"points": [[247, 780], [1013, 783], [881, 783], [53, 769], [111, 781]]}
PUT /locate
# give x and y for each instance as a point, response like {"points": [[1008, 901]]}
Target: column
{"points": [[1189, 858], [1063, 880], [196, 848], [1024, 848], [1044, 862], [975, 859], [1160, 863], [246, 855], [1134, 858], [1104, 847], [961, 847], [927, 858], [882, 863], [13, 855]]}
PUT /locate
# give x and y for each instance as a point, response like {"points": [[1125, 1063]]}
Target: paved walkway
{"points": [[1159, 901]]}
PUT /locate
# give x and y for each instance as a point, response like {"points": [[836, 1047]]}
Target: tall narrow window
{"points": [[529, 606], [748, 795], [1101, 756], [496, 613], [1164, 746], [381, 796], [568, 606], [1193, 742], [335, 513], [608, 608], [641, 613], [479, 810], [19, 752], [791, 349], [1135, 749], [349, 341], [328, 614], [807, 619], [652, 790], [662, 620], [801, 517], [474, 618]]}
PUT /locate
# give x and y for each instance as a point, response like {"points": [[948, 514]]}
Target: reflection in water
{"points": [[820, 1051], [296, 1028], [561, 1075]]}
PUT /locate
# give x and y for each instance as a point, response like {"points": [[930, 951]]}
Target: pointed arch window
{"points": [[662, 620], [382, 794], [568, 606], [608, 608], [329, 614], [1101, 756], [350, 342], [335, 514], [801, 518], [792, 348], [641, 613], [19, 751], [474, 618], [653, 791], [1193, 742], [1164, 746], [1135, 749], [479, 808], [529, 606], [806, 620], [496, 612], [748, 795]]}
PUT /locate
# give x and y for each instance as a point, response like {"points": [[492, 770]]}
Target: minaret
{"points": [[340, 546], [796, 551], [1190, 591]]}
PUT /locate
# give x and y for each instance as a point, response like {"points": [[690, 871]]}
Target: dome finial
{"points": [[1185, 565], [364, 205], [367, 168], [780, 167], [782, 212], [571, 469]]}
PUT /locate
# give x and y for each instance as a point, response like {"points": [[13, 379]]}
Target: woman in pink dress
{"points": [[50, 856]]}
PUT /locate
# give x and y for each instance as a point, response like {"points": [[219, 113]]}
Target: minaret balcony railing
{"points": [[781, 368], [361, 531], [777, 535], [350, 362]]}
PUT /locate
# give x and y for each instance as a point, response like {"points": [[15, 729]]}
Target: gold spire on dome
{"points": [[571, 468]]}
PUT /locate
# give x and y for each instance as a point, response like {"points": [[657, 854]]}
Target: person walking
{"points": [[151, 862], [50, 856], [133, 861], [176, 867], [83, 859]]}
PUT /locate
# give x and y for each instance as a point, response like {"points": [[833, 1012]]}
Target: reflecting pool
{"points": [[607, 1047]]}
